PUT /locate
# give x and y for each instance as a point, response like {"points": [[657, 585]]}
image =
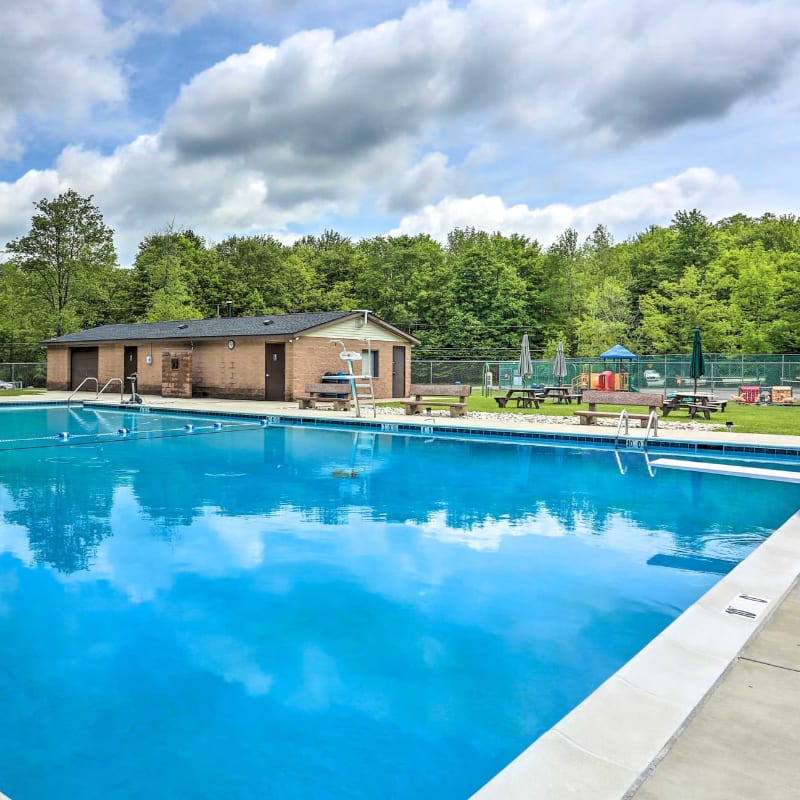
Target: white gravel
{"points": [[545, 419]]}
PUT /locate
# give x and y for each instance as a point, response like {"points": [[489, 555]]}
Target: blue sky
{"points": [[287, 117]]}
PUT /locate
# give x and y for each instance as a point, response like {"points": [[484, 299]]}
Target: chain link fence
{"points": [[661, 372], [23, 374]]}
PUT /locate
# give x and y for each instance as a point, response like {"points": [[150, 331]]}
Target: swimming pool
{"points": [[290, 612]]}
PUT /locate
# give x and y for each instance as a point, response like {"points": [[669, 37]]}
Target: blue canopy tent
{"points": [[618, 354]]}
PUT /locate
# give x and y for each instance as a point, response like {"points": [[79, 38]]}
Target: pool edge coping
{"points": [[607, 746]]}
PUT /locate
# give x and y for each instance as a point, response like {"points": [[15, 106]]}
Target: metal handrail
{"points": [[108, 383], [653, 418], [623, 415], [80, 386]]}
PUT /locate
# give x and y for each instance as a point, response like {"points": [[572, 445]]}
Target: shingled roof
{"points": [[269, 325]]}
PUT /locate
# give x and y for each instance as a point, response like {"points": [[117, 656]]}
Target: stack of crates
{"points": [[781, 394], [749, 393]]}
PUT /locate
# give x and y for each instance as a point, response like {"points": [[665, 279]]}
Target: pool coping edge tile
{"points": [[707, 632]]}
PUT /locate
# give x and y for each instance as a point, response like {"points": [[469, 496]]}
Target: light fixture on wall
{"points": [[231, 344]]}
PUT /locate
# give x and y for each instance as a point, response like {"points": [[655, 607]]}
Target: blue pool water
{"points": [[284, 612]]}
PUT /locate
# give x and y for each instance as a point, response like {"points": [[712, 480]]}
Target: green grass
{"points": [[778, 420], [18, 392]]}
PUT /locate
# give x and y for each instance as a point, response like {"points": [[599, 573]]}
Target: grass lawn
{"points": [[779, 420], [18, 392]]}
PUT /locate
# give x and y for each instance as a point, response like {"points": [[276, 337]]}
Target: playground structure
{"points": [[605, 381]]}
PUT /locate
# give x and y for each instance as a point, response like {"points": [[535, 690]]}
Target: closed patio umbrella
{"points": [[560, 364], [525, 365], [697, 367]]}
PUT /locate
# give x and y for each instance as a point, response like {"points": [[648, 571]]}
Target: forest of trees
{"points": [[473, 297]]}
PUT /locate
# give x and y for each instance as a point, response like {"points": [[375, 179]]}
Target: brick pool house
{"points": [[268, 357]]}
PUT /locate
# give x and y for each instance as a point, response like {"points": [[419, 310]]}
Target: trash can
{"points": [[749, 393]]}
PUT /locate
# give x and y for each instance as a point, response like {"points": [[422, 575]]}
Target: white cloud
{"points": [[420, 183], [632, 209], [586, 68], [57, 62], [407, 112]]}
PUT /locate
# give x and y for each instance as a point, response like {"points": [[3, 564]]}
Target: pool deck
{"points": [[708, 710]]}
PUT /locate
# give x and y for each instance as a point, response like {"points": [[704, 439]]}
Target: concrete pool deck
{"points": [[707, 711]]}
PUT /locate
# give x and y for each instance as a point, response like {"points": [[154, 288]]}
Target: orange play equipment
{"points": [[605, 381]]}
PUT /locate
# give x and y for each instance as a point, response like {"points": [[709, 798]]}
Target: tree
{"points": [[606, 319], [695, 243], [171, 302], [170, 277], [67, 257]]}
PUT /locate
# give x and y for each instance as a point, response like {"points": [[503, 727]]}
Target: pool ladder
{"points": [[98, 390], [640, 444], [652, 425]]}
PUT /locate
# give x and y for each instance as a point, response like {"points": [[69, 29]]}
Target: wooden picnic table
{"points": [[693, 402], [524, 398], [561, 394]]}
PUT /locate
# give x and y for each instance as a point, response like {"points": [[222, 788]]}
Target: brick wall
{"points": [[312, 357], [110, 364], [176, 373], [215, 370], [238, 373], [58, 368]]}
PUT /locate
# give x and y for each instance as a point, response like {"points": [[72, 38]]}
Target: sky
{"points": [[290, 117]]}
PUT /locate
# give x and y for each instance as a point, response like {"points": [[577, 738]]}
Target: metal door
{"points": [[130, 366], [83, 364], [398, 371], [274, 372]]}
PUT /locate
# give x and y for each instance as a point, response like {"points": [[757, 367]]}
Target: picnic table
{"points": [[694, 403], [524, 398], [561, 394]]}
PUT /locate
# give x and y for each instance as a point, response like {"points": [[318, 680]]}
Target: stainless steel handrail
{"points": [[623, 415], [108, 383], [80, 386], [653, 418]]}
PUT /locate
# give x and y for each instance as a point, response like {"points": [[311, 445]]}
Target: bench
{"points": [[594, 398], [336, 394], [428, 395]]}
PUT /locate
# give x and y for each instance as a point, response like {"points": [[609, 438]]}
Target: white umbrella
{"points": [[560, 364], [525, 365]]}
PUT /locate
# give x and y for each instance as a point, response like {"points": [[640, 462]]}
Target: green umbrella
{"points": [[697, 366]]}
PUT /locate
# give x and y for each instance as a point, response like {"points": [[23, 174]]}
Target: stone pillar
{"points": [[176, 373]]}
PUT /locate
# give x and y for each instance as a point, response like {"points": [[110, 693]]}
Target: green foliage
{"points": [[737, 280], [66, 260]]}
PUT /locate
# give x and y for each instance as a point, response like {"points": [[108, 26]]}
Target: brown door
{"points": [[398, 371], [130, 367], [274, 372], [83, 364]]}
